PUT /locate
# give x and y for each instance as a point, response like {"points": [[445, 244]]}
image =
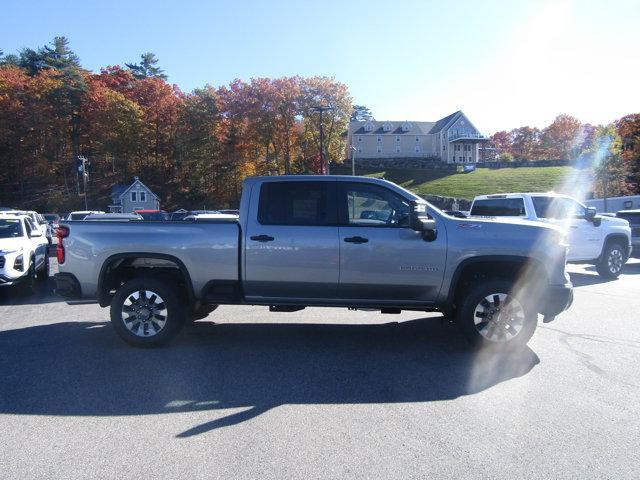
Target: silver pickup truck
{"points": [[335, 241]]}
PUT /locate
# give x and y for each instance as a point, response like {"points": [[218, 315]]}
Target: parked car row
{"points": [[38, 220], [24, 251]]}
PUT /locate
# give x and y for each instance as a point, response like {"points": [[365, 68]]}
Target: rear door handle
{"points": [[356, 240], [262, 238]]}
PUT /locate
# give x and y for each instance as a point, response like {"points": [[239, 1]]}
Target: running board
{"points": [[285, 308]]}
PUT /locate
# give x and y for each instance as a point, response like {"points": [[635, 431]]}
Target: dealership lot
{"points": [[321, 393]]}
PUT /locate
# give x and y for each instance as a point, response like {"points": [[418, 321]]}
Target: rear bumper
{"points": [[6, 281], [556, 299], [67, 286]]}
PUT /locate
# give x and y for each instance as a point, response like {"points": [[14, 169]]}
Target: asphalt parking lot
{"points": [[321, 393]]}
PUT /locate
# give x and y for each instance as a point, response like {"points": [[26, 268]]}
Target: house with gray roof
{"points": [[129, 198], [452, 139]]}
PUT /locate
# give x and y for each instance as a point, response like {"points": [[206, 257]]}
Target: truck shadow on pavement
{"points": [[42, 293], [82, 368]]}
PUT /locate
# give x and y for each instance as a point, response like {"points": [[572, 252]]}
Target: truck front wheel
{"points": [[612, 260], [146, 312], [492, 316]]}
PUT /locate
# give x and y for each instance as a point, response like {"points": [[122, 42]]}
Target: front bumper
{"points": [[7, 281], [556, 299]]}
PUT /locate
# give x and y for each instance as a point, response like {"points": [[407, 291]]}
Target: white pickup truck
{"points": [[598, 240], [23, 251]]}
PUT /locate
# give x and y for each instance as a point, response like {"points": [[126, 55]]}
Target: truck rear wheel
{"points": [[612, 260], [146, 312], [491, 316]]}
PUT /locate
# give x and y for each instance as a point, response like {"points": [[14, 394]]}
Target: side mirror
{"points": [[36, 233], [590, 214]]}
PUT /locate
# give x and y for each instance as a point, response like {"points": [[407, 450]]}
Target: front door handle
{"points": [[262, 238], [356, 240]]}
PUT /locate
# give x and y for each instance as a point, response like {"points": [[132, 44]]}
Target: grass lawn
{"points": [[482, 181]]}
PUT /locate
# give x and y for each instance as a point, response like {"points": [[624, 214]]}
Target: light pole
{"points": [[321, 109]]}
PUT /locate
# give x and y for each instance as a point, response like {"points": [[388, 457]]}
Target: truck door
{"points": [[381, 258], [584, 236], [291, 242]]}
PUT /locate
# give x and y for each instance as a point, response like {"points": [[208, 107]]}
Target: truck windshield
{"points": [[10, 228], [498, 207]]}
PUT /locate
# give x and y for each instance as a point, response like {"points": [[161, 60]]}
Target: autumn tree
{"points": [[147, 67], [629, 131], [360, 113], [609, 169], [525, 143], [324, 91], [560, 139], [502, 142]]}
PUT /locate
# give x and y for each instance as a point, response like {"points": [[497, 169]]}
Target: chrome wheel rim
{"points": [[499, 317], [615, 260], [144, 313]]}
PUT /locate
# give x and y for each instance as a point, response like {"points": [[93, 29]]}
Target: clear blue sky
{"points": [[505, 63]]}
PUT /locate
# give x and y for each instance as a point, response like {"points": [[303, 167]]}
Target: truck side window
{"points": [[498, 207], [373, 206], [558, 208], [296, 203]]}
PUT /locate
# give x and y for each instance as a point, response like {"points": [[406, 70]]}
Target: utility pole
{"points": [[353, 161], [605, 170], [82, 168], [322, 109]]}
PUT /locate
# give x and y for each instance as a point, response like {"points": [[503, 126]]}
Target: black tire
{"points": [[498, 332], [611, 261], [27, 287], [161, 304], [43, 275]]}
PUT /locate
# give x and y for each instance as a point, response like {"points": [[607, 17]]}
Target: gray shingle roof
{"points": [[117, 190], [417, 128], [440, 124]]}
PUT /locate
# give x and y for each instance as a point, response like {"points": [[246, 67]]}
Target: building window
{"points": [[444, 148], [359, 149], [461, 159], [397, 138], [379, 148], [359, 139], [417, 148], [143, 196], [397, 148], [379, 138], [134, 196], [417, 139]]}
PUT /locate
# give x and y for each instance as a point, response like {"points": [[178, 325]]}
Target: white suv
{"points": [[598, 240], [24, 254]]}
